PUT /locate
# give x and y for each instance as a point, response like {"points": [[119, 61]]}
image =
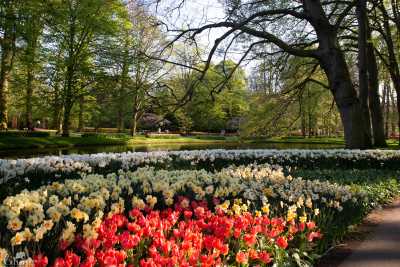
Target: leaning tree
{"points": [[315, 29]]}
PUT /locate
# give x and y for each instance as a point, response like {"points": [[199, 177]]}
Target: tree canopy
{"points": [[312, 67]]}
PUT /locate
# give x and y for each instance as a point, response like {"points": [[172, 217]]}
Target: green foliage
{"points": [[95, 135], [103, 53], [303, 106], [217, 100]]}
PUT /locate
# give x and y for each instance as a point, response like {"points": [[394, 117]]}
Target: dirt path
{"points": [[381, 244]]}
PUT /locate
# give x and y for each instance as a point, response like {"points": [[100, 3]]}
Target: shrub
{"points": [[92, 135]]}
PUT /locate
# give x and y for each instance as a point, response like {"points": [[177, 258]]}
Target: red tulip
{"points": [[282, 242], [40, 260], [242, 257]]}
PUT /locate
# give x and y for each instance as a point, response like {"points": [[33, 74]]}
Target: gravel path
{"points": [[382, 247]]}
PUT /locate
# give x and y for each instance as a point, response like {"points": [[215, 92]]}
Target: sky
{"points": [[194, 13]]}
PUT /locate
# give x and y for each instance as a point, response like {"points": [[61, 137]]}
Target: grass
{"points": [[188, 140], [392, 143], [12, 143], [18, 142], [301, 140]]}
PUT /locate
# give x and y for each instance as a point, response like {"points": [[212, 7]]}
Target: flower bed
{"points": [[101, 219], [31, 173], [193, 236], [381, 185]]}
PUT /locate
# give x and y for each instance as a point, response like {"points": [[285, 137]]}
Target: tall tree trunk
{"points": [[69, 86], [346, 100], [395, 77], [396, 14], [134, 123], [393, 113], [33, 31], [66, 117], [68, 101], [57, 106], [393, 67], [373, 94], [120, 120], [302, 117], [30, 79], [309, 115], [137, 114], [362, 65], [7, 56], [28, 100], [332, 61], [121, 93], [56, 120], [303, 123], [398, 115], [81, 111], [385, 105]]}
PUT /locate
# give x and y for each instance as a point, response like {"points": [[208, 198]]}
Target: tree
{"points": [[297, 102], [75, 25], [8, 26], [362, 68], [389, 55], [321, 28], [114, 60], [368, 78], [146, 71], [33, 23], [211, 111], [373, 94]]}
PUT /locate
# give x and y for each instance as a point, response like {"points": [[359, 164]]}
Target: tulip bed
{"points": [[238, 216], [199, 208], [192, 236]]}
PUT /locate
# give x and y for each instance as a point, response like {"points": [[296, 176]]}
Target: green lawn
{"points": [[301, 140], [392, 143], [10, 143], [13, 142]]}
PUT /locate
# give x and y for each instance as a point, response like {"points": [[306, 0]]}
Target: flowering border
{"points": [[111, 162]]}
